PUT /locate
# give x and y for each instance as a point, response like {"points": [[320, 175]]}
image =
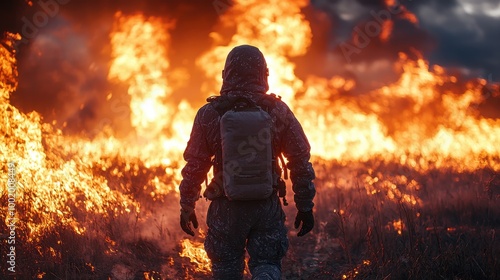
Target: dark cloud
{"points": [[467, 37], [356, 45], [453, 33]]}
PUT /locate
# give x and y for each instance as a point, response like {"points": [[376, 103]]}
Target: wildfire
{"points": [[8, 69], [338, 127], [143, 67], [196, 254], [63, 180], [140, 60], [280, 31], [393, 186], [161, 128], [50, 181]]}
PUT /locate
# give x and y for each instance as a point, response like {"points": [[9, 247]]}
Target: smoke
{"points": [[64, 58]]}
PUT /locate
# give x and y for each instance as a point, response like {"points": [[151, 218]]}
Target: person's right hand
{"points": [[187, 217], [307, 220]]}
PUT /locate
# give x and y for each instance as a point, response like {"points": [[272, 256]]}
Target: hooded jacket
{"points": [[245, 73]]}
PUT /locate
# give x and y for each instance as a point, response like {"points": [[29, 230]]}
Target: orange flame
{"points": [[277, 28], [143, 66], [196, 254], [8, 69], [339, 128], [398, 226]]}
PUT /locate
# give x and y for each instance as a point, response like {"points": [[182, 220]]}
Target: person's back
{"points": [[254, 225]]}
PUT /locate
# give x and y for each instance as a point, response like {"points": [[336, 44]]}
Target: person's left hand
{"points": [[307, 220]]}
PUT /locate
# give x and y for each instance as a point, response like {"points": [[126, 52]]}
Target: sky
{"points": [[461, 35]]}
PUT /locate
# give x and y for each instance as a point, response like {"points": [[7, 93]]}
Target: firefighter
{"points": [[253, 225]]}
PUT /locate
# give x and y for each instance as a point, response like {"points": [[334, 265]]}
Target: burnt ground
{"points": [[374, 220]]}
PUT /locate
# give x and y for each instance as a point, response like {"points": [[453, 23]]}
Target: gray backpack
{"points": [[245, 163], [247, 156]]}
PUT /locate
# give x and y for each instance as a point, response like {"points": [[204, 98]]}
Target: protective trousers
{"points": [[256, 225]]}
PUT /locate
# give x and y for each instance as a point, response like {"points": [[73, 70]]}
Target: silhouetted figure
{"points": [[242, 134]]}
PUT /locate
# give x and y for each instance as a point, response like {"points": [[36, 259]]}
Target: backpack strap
{"points": [[268, 102], [221, 104]]}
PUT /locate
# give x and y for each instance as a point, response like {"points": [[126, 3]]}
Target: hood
{"points": [[245, 71]]}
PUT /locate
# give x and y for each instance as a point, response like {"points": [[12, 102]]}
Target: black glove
{"points": [[188, 216], [307, 220]]}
